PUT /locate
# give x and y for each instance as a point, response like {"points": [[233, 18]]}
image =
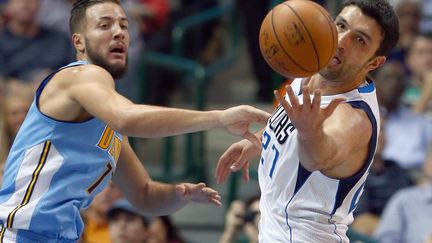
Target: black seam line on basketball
{"points": [[32, 183], [283, 49], [310, 37], [329, 23], [2, 232]]}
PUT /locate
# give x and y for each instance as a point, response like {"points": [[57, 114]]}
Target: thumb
{"points": [[251, 137], [180, 190]]}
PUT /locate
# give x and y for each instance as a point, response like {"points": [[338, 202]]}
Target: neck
{"points": [[28, 30], [332, 87]]}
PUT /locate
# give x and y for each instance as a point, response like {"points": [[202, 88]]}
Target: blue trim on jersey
{"points": [[368, 88], [345, 185], [302, 176]]}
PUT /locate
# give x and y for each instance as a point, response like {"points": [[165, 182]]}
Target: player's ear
{"points": [[78, 42], [376, 62]]}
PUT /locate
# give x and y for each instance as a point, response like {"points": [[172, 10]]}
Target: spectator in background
{"points": [[409, 13], [163, 230], [54, 15], [126, 224], [253, 16], [28, 49], [241, 221], [408, 134], [407, 216], [419, 60], [15, 100], [385, 178]]}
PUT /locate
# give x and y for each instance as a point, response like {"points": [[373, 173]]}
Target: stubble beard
{"points": [[116, 71]]}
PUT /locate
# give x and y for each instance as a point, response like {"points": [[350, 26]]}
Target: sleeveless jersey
{"points": [[54, 170], [301, 206]]}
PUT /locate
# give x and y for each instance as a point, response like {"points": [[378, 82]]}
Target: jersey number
{"points": [[106, 172], [265, 145]]}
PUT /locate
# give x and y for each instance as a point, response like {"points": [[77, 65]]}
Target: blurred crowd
{"points": [[396, 205]]}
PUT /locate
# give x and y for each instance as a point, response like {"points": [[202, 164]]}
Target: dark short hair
{"points": [[383, 13], [78, 12]]}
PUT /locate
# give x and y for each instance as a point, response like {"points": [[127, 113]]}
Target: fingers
{"points": [[212, 196], [223, 167], [306, 96], [292, 97], [316, 103], [262, 116], [245, 171], [282, 101]]}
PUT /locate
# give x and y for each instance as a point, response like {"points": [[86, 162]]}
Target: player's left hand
{"points": [[187, 192], [307, 117]]}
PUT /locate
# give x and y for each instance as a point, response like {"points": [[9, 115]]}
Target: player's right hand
{"points": [[236, 120], [236, 157]]}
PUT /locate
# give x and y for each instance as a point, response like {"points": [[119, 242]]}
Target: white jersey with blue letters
{"points": [[301, 206], [54, 170]]}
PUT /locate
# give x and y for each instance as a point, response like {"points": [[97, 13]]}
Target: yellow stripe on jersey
{"points": [[32, 184], [2, 231]]}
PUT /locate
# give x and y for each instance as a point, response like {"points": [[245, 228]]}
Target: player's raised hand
{"points": [[308, 116], [187, 192], [236, 120], [236, 157]]}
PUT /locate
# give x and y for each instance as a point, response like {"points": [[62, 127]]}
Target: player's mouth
{"points": [[336, 60], [118, 50]]}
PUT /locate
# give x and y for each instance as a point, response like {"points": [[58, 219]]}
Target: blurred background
{"points": [[204, 54]]}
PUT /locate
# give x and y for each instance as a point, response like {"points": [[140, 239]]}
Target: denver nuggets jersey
{"points": [[301, 206], [54, 170]]}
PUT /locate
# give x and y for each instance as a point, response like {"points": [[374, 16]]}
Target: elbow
{"points": [[320, 165]]}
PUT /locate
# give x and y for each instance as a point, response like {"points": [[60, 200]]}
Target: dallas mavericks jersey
{"points": [[54, 170], [301, 206]]}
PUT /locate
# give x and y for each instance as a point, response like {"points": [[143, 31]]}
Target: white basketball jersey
{"points": [[301, 206]]}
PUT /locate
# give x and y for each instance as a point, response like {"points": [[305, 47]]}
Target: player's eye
{"points": [[361, 40], [340, 25], [103, 26]]}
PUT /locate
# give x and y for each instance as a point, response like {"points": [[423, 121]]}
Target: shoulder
{"points": [[353, 118], [88, 73]]}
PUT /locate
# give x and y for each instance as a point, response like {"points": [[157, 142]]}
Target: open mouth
{"points": [[336, 60], [118, 49]]}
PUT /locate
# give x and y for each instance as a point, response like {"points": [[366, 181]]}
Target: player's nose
{"points": [[119, 32], [343, 39]]}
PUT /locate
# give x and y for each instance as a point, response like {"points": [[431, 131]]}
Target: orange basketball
{"points": [[298, 38]]}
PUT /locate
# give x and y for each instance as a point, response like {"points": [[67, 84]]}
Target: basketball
{"points": [[298, 38]]}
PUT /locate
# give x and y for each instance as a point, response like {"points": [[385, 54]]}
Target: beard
{"points": [[116, 71]]}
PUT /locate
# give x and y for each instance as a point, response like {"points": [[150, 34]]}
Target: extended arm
{"points": [[333, 139], [151, 197], [91, 89]]}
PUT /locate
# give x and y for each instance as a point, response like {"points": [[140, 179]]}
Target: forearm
{"points": [[317, 152], [158, 199], [228, 235], [150, 121]]}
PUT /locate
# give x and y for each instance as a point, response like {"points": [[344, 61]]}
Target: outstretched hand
{"points": [[307, 117], [236, 157], [187, 192], [236, 120]]}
